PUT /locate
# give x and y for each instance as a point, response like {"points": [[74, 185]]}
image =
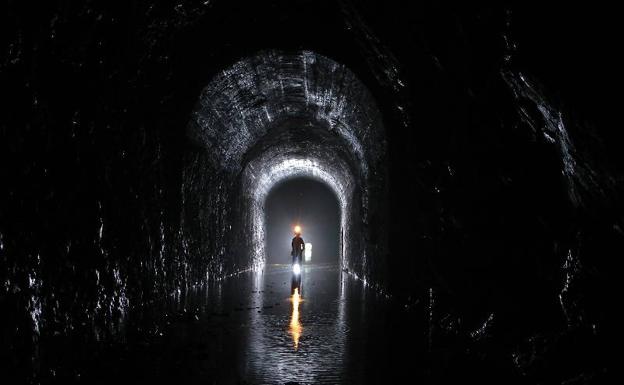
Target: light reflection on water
{"points": [[279, 348], [295, 324], [250, 329]]}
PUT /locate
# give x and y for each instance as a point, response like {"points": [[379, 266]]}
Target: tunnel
{"points": [[457, 169], [276, 116]]}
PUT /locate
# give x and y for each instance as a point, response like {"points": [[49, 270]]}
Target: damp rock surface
{"points": [[471, 148]]}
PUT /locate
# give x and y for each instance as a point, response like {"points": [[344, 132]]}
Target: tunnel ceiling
{"points": [[301, 147], [241, 105]]}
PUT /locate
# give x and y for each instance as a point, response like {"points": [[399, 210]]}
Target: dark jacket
{"points": [[298, 245]]}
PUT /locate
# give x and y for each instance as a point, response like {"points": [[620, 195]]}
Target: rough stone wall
{"points": [[505, 201]]}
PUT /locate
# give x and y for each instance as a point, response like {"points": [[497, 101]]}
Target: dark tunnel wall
{"points": [[504, 195]]}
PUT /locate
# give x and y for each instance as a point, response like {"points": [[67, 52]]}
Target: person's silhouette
{"points": [[298, 245]]}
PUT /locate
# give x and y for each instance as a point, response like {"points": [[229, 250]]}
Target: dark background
{"points": [[96, 96]]}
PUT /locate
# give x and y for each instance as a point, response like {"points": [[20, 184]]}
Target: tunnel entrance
{"points": [[315, 207]]}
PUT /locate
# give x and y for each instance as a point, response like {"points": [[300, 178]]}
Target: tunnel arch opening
{"points": [[276, 116], [314, 206]]}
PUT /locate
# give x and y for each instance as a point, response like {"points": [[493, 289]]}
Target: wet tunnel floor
{"points": [[246, 330], [269, 336]]}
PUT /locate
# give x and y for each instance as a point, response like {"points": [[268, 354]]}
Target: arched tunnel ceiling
{"points": [[245, 102], [298, 148]]}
